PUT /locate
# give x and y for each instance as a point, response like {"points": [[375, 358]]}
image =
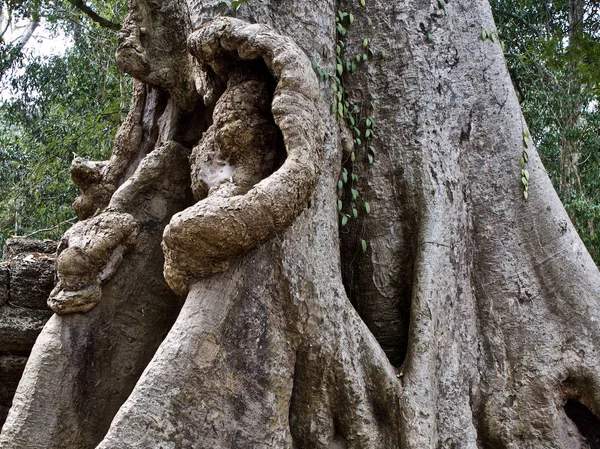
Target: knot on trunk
{"points": [[256, 167], [89, 255], [88, 176], [152, 48]]}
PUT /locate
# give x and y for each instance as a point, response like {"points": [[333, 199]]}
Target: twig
{"points": [[70, 220], [105, 23]]}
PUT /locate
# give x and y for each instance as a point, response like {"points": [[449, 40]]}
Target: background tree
{"points": [[553, 54], [432, 294], [52, 108]]}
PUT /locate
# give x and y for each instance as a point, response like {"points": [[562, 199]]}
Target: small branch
{"points": [[35, 22], [70, 220], [105, 23]]}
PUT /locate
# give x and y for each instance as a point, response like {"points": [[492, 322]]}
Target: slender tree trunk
{"points": [[570, 182], [468, 317]]}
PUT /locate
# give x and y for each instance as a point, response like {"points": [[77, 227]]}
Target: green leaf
{"points": [[369, 21], [525, 194], [384, 54], [522, 162], [362, 3], [370, 157], [339, 69], [338, 49], [345, 176], [351, 18], [235, 4], [524, 181], [357, 141], [340, 185], [357, 132], [493, 36], [484, 34], [354, 177], [372, 150], [367, 208], [353, 156], [340, 205], [365, 42], [368, 122], [354, 194], [363, 244], [442, 4], [314, 64], [430, 37], [344, 220], [525, 156], [368, 134], [353, 66], [526, 174], [354, 212]]}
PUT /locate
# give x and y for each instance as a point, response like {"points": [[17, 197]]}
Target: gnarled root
{"points": [[94, 249], [204, 238], [99, 180]]}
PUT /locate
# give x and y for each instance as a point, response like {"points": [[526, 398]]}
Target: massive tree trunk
{"points": [[458, 309]]}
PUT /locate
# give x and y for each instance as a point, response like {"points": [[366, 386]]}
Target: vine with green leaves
{"points": [[359, 119]]}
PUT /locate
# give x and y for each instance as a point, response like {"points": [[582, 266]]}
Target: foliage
{"points": [[51, 109], [553, 57]]}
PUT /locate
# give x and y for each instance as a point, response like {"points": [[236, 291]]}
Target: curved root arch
{"points": [[203, 239]]}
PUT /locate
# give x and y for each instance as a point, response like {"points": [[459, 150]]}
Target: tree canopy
{"points": [[552, 51], [54, 108]]}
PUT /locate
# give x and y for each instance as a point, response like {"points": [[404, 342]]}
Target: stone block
{"points": [[3, 413], [16, 246], [31, 279], [11, 370], [20, 327]]}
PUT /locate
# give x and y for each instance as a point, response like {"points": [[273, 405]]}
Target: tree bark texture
{"points": [[468, 318]]}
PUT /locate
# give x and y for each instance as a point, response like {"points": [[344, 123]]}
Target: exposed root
{"points": [[346, 394], [94, 249], [204, 238], [99, 180]]}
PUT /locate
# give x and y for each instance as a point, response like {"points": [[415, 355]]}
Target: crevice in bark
{"points": [[587, 423]]}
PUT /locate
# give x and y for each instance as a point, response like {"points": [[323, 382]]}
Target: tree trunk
{"points": [[570, 182], [459, 312]]}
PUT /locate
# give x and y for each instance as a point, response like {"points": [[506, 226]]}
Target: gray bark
{"points": [[470, 321]]}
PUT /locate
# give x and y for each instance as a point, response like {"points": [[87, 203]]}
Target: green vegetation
{"points": [[53, 108], [553, 53]]}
